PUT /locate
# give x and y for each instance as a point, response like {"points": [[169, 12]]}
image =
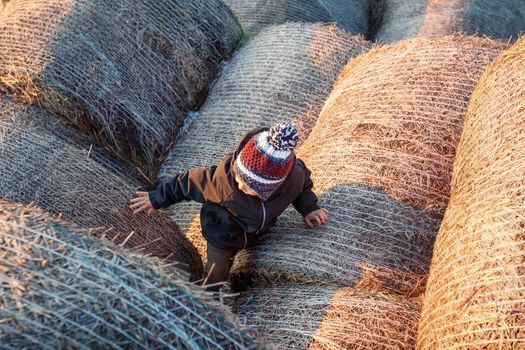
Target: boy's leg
{"points": [[218, 265]]}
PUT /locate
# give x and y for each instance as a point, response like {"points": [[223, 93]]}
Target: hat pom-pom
{"points": [[283, 136]]}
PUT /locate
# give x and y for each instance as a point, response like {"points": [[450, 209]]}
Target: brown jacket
{"points": [[231, 219]]}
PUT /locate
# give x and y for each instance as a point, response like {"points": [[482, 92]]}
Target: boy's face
{"points": [[244, 188]]}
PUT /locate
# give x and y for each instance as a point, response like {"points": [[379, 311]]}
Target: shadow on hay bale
{"points": [[125, 73], [328, 317], [37, 166], [255, 15], [381, 155], [63, 289], [283, 74], [403, 19], [476, 289]]}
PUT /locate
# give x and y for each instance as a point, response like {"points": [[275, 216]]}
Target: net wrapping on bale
{"points": [[123, 72], [283, 74], [37, 166], [380, 155], [63, 289], [403, 19], [330, 318], [34, 117], [476, 290], [255, 15]]}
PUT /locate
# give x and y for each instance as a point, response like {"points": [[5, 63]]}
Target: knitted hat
{"points": [[267, 158]]}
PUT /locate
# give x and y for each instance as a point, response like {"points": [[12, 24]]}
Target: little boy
{"points": [[243, 195]]}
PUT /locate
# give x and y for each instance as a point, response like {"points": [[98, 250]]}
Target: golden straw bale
{"points": [[330, 318], [475, 295], [403, 19], [396, 115]]}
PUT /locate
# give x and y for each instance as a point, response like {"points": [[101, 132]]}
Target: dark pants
{"points": [[218, 266]]}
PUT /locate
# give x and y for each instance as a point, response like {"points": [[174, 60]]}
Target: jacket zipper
{"points": [[264, 217], [245, 240]]}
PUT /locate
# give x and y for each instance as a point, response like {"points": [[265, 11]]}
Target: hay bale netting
{"points": [[34, 117], [329, 318], [284, 73], [255, 15], [63, 289], [37, 166], [402, 19], [124, 72], [381, 155], [476, 290]]}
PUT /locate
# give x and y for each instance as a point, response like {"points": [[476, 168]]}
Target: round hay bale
{"points": [[124, 72], [283, 74], [476, 289], [255, 15], [34, 117], [325, 317], [63, 289], [403, 19], [37, 166], [381, 155]]}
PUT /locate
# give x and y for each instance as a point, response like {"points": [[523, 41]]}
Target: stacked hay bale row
{"points": [[63, 289], [283, 74], [476, 290], [402, 19], [351, 15], [42, 166], [381, 155], [124, 73]]}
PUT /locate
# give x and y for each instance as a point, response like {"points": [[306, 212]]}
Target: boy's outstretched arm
{"points": [[306, 202], [186, 186]]}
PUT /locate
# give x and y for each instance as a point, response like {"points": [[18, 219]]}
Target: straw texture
{"points": [[37, 166], [403, 19], [283, 74], [330, 318], [123, 72], [476, 289], [255, 15], [381, 155], [63, 289]]}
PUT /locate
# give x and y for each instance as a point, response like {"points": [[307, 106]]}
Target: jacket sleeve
{"points": [[306, 202], [186, 186]]}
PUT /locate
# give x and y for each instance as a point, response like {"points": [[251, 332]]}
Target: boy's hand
{"points": [[317, 217], [141, 203]]}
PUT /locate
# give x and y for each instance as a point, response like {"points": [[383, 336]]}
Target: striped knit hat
{"points": [[267, 158]]}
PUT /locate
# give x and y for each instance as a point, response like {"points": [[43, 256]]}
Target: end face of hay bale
{"points": [[42, 167], [62, 289], [255, 15], [476, 290], [125, 73], [403, 19], [315, 317]]}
